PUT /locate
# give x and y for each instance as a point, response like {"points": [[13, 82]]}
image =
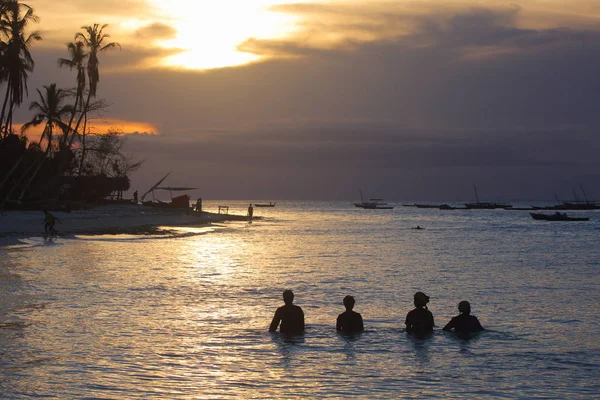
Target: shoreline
{"points": [[106, 219]]}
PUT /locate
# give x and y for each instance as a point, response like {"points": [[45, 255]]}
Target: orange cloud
{"points": [[99, 126]]}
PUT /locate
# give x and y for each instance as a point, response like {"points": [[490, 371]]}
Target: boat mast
{"points": [[476, 196], [576, 198], [361, 196], [584, 194], [556, 197], [154, 187]]}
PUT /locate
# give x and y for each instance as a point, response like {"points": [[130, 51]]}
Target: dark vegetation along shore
{"points": [[71, 165]]}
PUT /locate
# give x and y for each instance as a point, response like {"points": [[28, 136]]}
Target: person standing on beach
{"points": [[199, 204], [135, 197], [465, 322], [250, 212], [349, 321], [291, 316], [49, 221], [420, 320]]}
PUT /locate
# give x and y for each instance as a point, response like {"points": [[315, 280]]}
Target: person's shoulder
{"points": [[281, 309]]}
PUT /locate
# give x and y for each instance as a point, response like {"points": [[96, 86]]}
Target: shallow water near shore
{"points": [[185, 315]]}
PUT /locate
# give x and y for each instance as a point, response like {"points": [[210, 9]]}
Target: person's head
{"points": [[464, 307], [349, 302], [288, 297], [421, 299]]}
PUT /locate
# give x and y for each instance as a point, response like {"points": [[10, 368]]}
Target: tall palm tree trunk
{"points": [[4, 129], [29, 168], [39, 166], [48, 131], [10, 172], [83, 116]]}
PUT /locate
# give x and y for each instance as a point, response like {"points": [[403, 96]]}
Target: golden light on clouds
{"points": [[97, 126], [205, 34], [209, 32]]}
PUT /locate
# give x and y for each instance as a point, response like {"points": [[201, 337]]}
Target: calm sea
{"points": [[185, 315]]}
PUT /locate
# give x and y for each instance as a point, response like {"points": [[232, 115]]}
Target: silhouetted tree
{"points": [[77, 61], [51, 111], [94, 39], [15, 57]]}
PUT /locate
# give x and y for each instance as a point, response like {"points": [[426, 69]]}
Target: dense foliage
{"points": [[68, 163]]}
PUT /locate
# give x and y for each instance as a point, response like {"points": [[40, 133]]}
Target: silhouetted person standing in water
{"points": [[250, 212], [290, 316], [420, 320], [49, 221], [465, 322], [349, 321]]}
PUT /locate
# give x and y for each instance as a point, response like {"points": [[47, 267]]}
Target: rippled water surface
{"points": [[186, 315]]}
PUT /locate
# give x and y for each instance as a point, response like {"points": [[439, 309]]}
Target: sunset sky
{"points": [[409, 100]]}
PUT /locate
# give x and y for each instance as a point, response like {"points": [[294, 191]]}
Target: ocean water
{"points": [[185, 315]]}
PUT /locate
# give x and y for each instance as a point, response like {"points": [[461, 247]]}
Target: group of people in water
{"points": [[418, 321]]}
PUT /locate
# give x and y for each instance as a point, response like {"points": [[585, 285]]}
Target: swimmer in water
{"points": [[349, 321], [291, 316], [420, 320], [464, 322]]}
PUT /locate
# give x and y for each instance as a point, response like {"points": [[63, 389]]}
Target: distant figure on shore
{"points": [[49, 221], [135, 197], [465, 322], [420, 320], [291, 316], [199, 204], [250, 212], [349, 321]]}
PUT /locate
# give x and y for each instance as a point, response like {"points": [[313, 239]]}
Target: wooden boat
{"points": [[179, 202], [418, 205], [270, 204], [484, 205], [556, 217], [372, 204]]}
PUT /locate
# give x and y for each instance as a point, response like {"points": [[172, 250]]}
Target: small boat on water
{"points": [[420, 205], [372, 204], [270, 204], [556, 217], [485, 205], [179, 202]]}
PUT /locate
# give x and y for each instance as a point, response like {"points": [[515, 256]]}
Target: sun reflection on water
{"points": [[185, 314]]}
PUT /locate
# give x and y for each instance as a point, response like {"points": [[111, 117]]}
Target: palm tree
{"points": [[77, 60], [49, 109], [94, 39], [16, 58]]}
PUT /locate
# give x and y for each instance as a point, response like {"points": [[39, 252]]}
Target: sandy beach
{"points": [[105, 219]]}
